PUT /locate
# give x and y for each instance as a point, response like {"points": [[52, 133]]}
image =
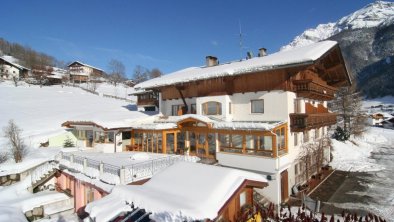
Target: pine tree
{"points": [[68, 142]]}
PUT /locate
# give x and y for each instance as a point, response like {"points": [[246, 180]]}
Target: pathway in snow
{"points": [[369, 188]]}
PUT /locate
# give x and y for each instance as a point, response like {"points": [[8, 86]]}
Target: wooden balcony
{"points": [[310, 89], [148, 102], [300, 122]]}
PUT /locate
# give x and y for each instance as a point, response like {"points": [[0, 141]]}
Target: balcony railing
{"points": [[313, 90], [300, 122], [115, 175]]}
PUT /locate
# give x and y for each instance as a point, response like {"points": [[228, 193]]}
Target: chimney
{"points": [[211, 61], [262, 52], [249, 55]]}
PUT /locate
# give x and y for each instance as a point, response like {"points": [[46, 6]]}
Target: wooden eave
{"points": [[193, 120], [334, 71], [71, 124], [245, 183]]}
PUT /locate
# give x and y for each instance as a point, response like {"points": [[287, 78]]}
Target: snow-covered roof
{"points": [[84, 65], [117, 118], [302, 55], [6, 59], [169, 197], [217, 123]]}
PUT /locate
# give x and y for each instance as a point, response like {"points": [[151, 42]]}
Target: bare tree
{"points": [[3, 157], [140, 74], [154, 73], [116, 71], [347, 104], [13, 133], [311, 157]]}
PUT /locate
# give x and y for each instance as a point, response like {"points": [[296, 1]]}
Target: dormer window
{"points": [[211, 108]]}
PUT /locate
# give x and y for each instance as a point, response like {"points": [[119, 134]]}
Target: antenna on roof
{"points": [[240, 40]]}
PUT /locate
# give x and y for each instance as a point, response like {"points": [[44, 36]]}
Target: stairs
{"points": [[260, 199], [42, 174]]}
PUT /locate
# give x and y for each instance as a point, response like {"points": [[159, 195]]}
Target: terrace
{"points": [[119, 168]]}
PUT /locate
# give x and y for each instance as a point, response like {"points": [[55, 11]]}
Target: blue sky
{"points": [[169, 35]]}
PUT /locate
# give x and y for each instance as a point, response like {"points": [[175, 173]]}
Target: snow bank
{"points": [[355, 156], [8, 214]]}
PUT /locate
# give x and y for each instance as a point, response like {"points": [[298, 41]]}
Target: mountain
{"points": [[366, 38]]}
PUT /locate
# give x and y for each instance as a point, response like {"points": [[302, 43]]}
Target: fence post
{"points": [[101, 168], [72, 158], [85, 164], [122, 175]]}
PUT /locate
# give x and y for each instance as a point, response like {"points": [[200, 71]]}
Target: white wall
{"points": [[9, 71], [277, 106]]}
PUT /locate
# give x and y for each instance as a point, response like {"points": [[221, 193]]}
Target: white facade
{"points": [[278, 105]]}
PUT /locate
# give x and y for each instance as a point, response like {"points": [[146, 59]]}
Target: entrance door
{"points": [[170, 143], [284, 187], [201, 144]]}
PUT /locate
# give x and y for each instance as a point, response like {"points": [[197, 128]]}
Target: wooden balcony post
{"points": [[274, 146]]}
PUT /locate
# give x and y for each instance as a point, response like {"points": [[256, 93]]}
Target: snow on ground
{"points": [[120, 90], [354, 155], [34, 158], [41, 111], [8, 214], [374, 155]]}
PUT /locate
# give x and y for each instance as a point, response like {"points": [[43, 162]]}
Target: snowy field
{"points": [[120, 90], [41, 111]]}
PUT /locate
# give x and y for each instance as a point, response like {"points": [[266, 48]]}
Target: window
{"points": [[193, 109], [212, 108], [126, 135], [257, 106], [242, 199], [280, 138]]}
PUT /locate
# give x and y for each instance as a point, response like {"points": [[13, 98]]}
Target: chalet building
{"points": [[9, 70], [255, 114], [80, 72]]}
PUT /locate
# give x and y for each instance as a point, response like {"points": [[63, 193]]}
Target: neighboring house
{"points": [[9, 70], [57, 75], [147, 100], [253, 114], [376, 119], [80, 72], [182, 192]]}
